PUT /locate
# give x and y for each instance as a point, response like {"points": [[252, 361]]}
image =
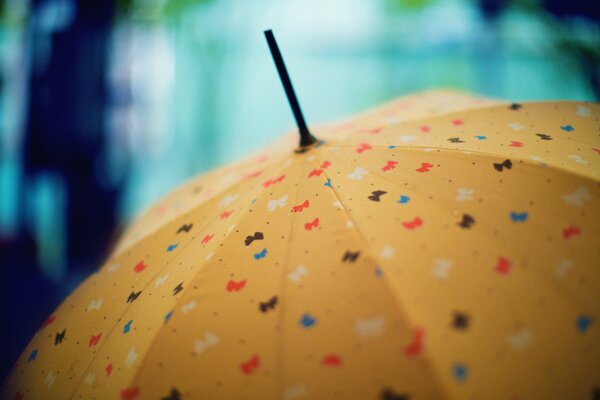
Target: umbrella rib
{"points": [[283, 281], [152, 279], [175, 305], [388, 285]]}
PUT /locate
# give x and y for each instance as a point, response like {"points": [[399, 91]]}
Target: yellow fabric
{"points": [[420, 252]]}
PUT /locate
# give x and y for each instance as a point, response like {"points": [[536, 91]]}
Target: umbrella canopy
{"points": [[441, 246]]}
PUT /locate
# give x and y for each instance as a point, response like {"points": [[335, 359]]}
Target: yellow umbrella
{"points": [[441, 246]]}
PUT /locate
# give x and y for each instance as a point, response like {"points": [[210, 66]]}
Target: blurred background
{"points": [[105, 105]]}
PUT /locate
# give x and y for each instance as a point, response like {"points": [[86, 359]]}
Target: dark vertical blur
{"points": [[64, 138]]}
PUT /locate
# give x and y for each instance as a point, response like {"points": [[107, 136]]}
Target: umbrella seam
{"points": [[388, 285], [153, 341], [283, 283]]}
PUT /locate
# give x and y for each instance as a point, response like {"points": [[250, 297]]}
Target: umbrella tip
{"points": [[306, 138]]}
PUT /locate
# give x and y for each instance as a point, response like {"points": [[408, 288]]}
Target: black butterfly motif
{"points": [[133, 296], [515, 106], [543, 136], [376, 195], [350, 256], [389, 394], [504, 164], [256, 236], [178, 288], [456, 140], [460, 320], [467, 221], [185, 228], [268, 305], [58, 339], [174, 395]]}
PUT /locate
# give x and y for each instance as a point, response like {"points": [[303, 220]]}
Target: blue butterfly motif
{"points": [[480, 137], [307, 320], [391, 147], [567, 128], [260, 255], [518, 217], [172, 247], [328, 183], [168, 316], [127, 326], [32, 355], [460, 372], [583, 323], [403, 199]]}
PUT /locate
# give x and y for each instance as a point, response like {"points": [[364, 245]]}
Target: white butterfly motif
{"points": [[189, 306], [161, 280], [295, 392], [210, 339], [131, 357], [227, 200], [89, 379], [297, 274], [358, 174], [521, 340], [464, 194], [50, 378], [95, 304], [441, 267], [583, 111], [578, 197], [369, 327], [279, 203]]}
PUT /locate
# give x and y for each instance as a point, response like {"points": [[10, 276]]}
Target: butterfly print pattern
{"points": [[415, 253]]}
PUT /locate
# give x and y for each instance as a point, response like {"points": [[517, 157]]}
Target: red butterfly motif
{"points": [[332, 360], [301, 207], [108, 369], [374, 131], [313, 224], [596, 150], [253, 174], [504, 265], [571, 231], [207, 238], [415, 347], [140, 266], [95, 339], [424, 129], [363, 147], [233, 286], [425, 167], [515, 144], [315, 172], [225, 214], [415, 223], [249, 366], [130, 393], [457, 122], [326, 164], [389, 166], [270, 182]]}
